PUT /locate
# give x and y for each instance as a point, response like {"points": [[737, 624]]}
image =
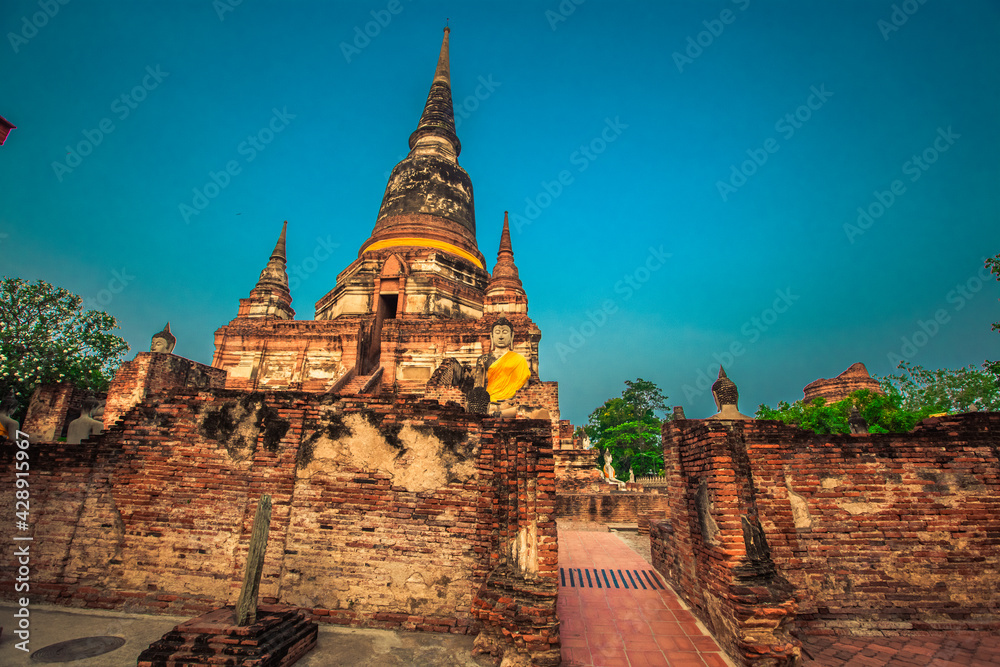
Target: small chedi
{"points": [[89, 423], [838, 388], [726, 397]]}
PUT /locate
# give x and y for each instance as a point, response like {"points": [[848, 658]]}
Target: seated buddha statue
{"points": [[163, 341], [87, 424], [501, 371], [726, 395]]}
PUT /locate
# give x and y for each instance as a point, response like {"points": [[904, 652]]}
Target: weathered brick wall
{"points": [[152, 373], [52, 408], [638, 507], [887, 534], [576, 471], [518, 603], [869, 534], [713, 551], [616, 507], [386, 513]]}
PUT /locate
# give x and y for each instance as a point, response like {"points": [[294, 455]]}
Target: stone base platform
{"points": [[280, 636]]}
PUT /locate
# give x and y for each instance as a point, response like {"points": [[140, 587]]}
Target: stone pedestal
{"points": [[279, 637]]}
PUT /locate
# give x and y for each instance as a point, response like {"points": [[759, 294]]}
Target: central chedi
{"points": [[417, 299]]}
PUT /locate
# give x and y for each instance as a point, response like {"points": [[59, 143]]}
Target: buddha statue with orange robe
{"points": [[502, 371]]}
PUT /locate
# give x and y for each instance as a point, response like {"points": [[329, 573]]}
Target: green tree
{"points": [[46, 336], [883, 413], [910, 396], [630, 427], [945, 390]]}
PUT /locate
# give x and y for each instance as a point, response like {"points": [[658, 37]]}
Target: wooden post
{"points": [[246, 606]]}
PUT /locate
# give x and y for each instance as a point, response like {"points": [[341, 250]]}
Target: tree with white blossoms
{"points": [[47, 336]]}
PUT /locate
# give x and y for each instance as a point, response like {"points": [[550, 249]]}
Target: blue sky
{"points": [[683, 178]]}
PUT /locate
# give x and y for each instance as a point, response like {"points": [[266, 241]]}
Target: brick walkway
{"points": [[616, 611], [914, 651]]}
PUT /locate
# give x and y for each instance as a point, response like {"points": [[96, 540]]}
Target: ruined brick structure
{"points": [[838, 388], [852, 534], [393, 507], [387, 513], [418, 293], [151, 373]]}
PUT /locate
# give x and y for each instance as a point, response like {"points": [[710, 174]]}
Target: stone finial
{"points": [[435, 133], [679, 413], [164, 341], [857, 422], [275, 273], [726, 397]]}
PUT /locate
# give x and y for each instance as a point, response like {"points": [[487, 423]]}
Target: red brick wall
{"points": [[386, 514], [871, 534], [152, 373], [576, 471], [902, 532], [639, 507]]}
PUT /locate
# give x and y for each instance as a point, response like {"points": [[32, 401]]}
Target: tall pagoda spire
{"points": [[504, 291], [271, 296], [428, 203], [435, 133]]}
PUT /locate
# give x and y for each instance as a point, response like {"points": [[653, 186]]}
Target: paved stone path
{"points": [[914, 651], [617, 612]]}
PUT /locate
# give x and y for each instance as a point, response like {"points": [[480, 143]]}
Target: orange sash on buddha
{"points": [[506, 375]]}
